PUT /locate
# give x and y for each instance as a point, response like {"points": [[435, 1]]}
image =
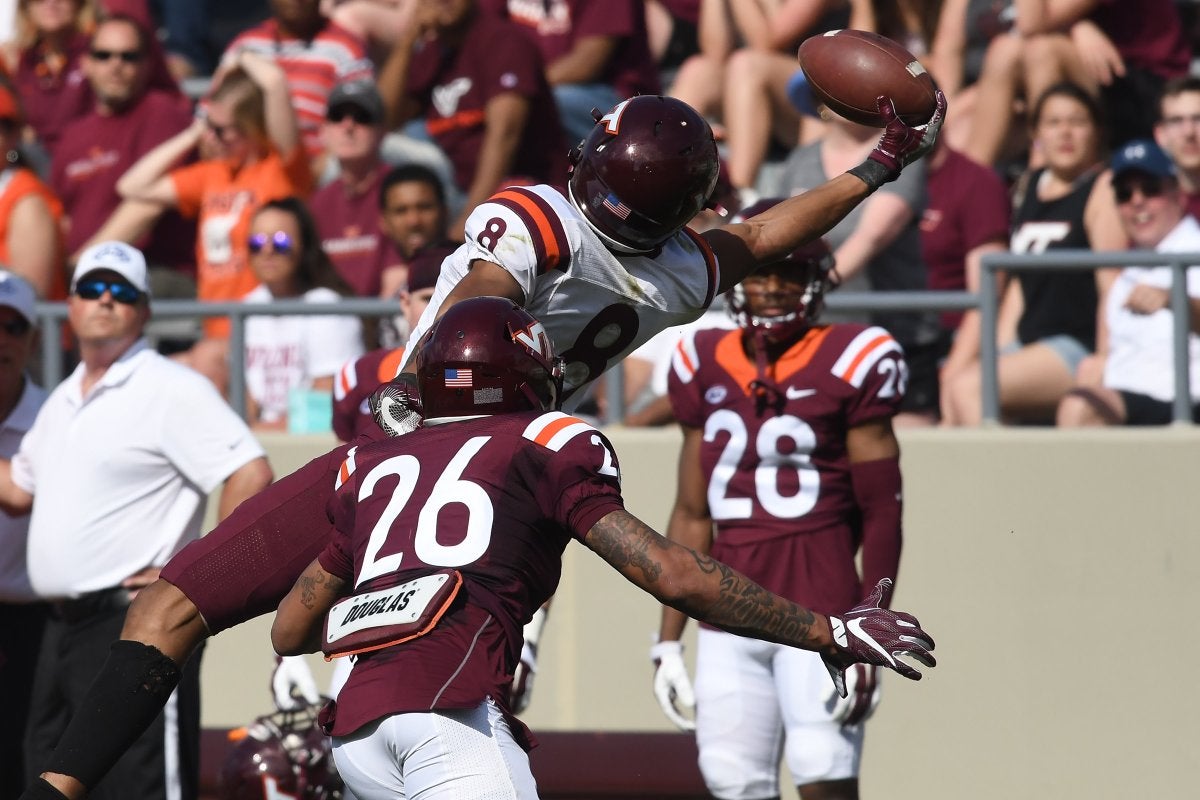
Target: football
{"points": [[848, 69]]}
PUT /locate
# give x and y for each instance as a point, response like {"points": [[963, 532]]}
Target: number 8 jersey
{"points": [[597, 305], [775, 460]]}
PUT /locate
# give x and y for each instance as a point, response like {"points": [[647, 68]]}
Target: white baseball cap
{"points": [[17, 294], [123, 259]]}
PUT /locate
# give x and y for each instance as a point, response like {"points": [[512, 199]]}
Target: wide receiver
{"points": [[448, 539], [788, 448], [604, 270]]}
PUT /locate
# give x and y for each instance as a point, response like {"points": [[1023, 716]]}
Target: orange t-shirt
{"points": [[223, 201], [16, 185]]}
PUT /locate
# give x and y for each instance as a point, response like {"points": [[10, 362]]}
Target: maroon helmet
{"points": [[810, 264], [282, 755], [647, 167], [487, 355]]}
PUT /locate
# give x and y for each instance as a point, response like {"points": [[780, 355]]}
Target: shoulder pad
{"points": [[554, 429], [863, 352]]}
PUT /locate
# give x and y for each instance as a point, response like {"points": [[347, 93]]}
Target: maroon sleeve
{"points": [[988, 220], [879, 377], [683, 385], [580, 482], [611, 18], [877, 491], [338, 556], [515, 66]]}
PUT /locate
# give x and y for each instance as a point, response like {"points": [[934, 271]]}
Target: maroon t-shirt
{"points": [[349, 229], [1193, 204], [778, 474], [51, 100], [1148, 34], [497, 498], [96, 151], [355, 383], [967, 205], [559, 24], [455, 85]]}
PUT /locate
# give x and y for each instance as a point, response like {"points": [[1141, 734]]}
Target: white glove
{"points": [[862, 695], [672, 686], [522, 685], [293, 684]]}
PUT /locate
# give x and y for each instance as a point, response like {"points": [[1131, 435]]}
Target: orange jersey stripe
{"points": [[862, 354], [537, 214], [391, 364], [547, 433]]}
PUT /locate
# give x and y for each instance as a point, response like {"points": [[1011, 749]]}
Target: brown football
{"points": [[848, 69]]}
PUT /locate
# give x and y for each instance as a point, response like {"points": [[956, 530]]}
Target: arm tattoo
{"points": [[716, 594], [309, 584]]}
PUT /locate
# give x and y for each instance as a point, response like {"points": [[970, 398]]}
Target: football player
{"points": [[788, 449], [603, 269], [507, 478]]}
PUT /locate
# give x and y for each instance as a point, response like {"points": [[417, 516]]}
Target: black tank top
{"points": [[1056, 301]]}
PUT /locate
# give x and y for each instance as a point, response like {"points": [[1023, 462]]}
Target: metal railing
{"points": [[987, 300], [989, 306]]}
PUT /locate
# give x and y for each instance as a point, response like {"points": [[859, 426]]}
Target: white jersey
{"points": [[597, 306], [1141, 351]]}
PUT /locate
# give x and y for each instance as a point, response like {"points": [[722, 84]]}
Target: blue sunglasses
{"points": [[95, 289]]}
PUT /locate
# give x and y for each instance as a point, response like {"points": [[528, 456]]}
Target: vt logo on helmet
{"points": [[644, 171]]}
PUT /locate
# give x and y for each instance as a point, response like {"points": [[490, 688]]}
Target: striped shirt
{"points": [[313, 67]]}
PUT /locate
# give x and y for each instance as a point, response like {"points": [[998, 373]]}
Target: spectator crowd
{"points": [[315, 150]]}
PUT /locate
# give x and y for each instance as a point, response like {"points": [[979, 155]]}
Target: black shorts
{"points": [[1142, 409], [921, 394]]}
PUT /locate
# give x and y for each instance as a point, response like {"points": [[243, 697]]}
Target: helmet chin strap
{"points": [[766, 393], [608, 241]]}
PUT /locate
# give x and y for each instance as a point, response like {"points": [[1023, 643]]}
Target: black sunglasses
{"points": [[128, 56], [16, 327], [95, 289], [359, 115], [1150, 187], [280, 242]]}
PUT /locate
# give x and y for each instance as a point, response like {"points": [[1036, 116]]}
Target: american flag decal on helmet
{"points": [[616, 206], [459, 377]]}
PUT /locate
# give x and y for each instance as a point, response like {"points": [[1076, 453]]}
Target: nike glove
{"points": [[672, 686], [396, 405], [292, 684], [862, 695], [900, 144], [870, 634]]}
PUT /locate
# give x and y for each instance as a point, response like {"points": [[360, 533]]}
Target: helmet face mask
{"points": [[487, 355], [282, 755], [644, 171], [800, 283]]}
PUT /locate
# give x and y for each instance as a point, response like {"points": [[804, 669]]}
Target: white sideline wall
{"points": [[1058, 571]]}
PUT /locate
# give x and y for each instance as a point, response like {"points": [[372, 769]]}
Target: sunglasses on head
{"points": [[127, 56], [16, 327], [280, 243], [95, 289], [1149, 187]]}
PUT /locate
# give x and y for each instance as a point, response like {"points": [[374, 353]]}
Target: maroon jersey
{"points": [[96, 151], [560, 24], [497, 498], [455, 85], [1148, 35], [355, 382], [779, 487], [348, 225], [967, 207]]}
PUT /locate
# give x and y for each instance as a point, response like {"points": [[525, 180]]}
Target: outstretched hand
{"points": [[871, 634], [901, 144]]}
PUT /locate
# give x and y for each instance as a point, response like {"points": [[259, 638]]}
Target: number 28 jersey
{"points": [[497, 498], [597, 306], [776, 466]]}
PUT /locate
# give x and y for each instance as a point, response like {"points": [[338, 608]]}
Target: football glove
{"points": [[522, 685], [870, 634], [900, 144], [862, 695], [292, 684], [672, 686], [396, 405]]}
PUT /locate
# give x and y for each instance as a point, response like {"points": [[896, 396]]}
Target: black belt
{"points": [[77, 609]]}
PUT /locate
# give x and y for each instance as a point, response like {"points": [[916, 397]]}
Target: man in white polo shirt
{"points": [[116, 470], [22, 616]]}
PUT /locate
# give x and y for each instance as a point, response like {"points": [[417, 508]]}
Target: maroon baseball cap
{"points": [[426, 266]]}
